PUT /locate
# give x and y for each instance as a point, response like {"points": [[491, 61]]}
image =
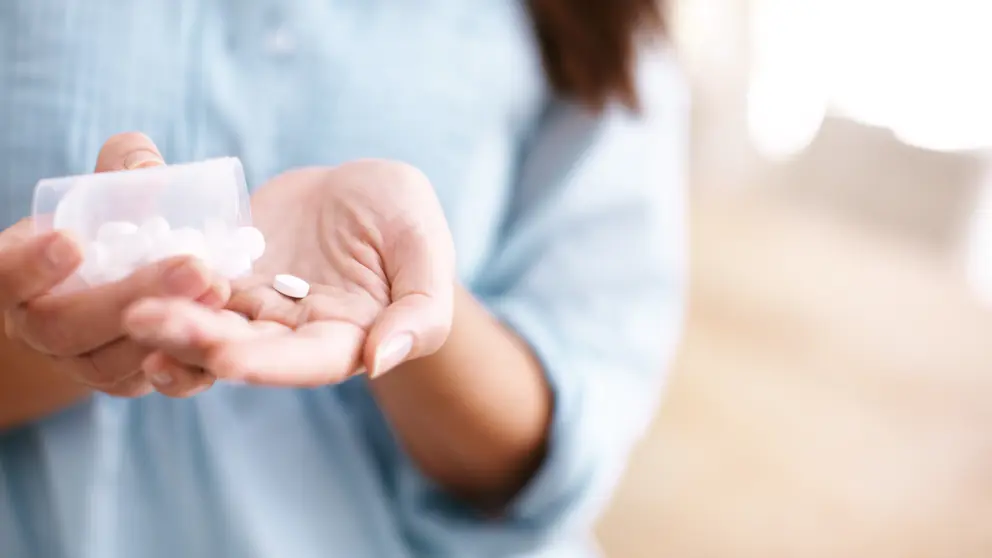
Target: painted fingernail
{"points": [[391, 353], [161, 379], [142, 159], [60, 251], [183, 277]]}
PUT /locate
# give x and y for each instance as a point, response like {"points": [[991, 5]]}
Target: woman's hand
{"points": [[81, 333], [371, 239]]}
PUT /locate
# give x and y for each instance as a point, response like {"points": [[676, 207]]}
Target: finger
{"points": [[261, 302], [131, 150], [418, 320], [79, 322], [36, 265], [218, 293], [135, 385], [108, 368], [259, 352], [316, 354], [173, 378], [189, 332]]}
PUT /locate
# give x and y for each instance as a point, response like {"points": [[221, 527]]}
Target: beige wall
{"points": [[862, 175]]}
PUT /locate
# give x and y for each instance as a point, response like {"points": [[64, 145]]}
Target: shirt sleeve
{"points": [[590, 273]]}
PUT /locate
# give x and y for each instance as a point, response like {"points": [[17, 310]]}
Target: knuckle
{"points": [[81, 370], [116, 363], [26, 270], [102, 374], [133, 386], [54, 336], [40, 330]]}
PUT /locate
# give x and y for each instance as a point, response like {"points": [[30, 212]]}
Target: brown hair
{"points": [[589, 46]]}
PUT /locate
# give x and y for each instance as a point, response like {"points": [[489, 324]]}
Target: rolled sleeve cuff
{"points": [[563, 499]]}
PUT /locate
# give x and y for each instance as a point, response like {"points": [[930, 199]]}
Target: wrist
{"points": [[473, 415], [30, 386]]}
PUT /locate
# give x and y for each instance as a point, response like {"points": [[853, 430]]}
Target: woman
{"points": [[518, 378]]}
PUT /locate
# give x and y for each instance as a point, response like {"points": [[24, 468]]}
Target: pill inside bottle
{"points": [[130, 219]]}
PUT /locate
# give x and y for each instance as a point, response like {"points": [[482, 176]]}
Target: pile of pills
{"points": [[121, 247]]}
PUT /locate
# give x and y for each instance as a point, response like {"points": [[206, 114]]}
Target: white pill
{"points": [[130, 251], [115, 263], [112, 230], [219, 245], [95, 258], [232, 264], [226, 257], [159, 251], [215, 230], [252, 240], [114, 272], [184, 242], [155, 229], [291, 286]]}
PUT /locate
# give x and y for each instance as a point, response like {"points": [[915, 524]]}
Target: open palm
{"points": [[371, 239]]}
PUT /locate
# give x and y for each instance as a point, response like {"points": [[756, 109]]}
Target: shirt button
{"points": [[281, 42]]}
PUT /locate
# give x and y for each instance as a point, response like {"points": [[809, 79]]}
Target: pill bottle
{"points": [[128, 219]]}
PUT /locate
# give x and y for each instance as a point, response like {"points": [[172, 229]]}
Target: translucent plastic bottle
{"points": [[128, 219]]}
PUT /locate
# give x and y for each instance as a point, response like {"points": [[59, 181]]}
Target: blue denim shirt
{"points": [[568, 226]]}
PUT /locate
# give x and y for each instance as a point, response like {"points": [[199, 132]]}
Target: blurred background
{"points": [[852, 122]]}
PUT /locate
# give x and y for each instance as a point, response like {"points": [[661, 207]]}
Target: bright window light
{"points": [[917, 68]]}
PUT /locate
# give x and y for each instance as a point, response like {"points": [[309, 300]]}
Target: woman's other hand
{"points": [[81, 332], [371, 239]]}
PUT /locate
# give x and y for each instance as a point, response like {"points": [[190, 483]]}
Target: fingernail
{"points": [[59, 251], [391, 353], [162, 379], [142, 159], [183, 278]]}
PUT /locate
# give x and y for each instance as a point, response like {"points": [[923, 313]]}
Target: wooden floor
{"points": [[825, 402]]}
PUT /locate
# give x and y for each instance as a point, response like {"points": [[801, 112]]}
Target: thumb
{"points": [[128, 151], [418, 320]]}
